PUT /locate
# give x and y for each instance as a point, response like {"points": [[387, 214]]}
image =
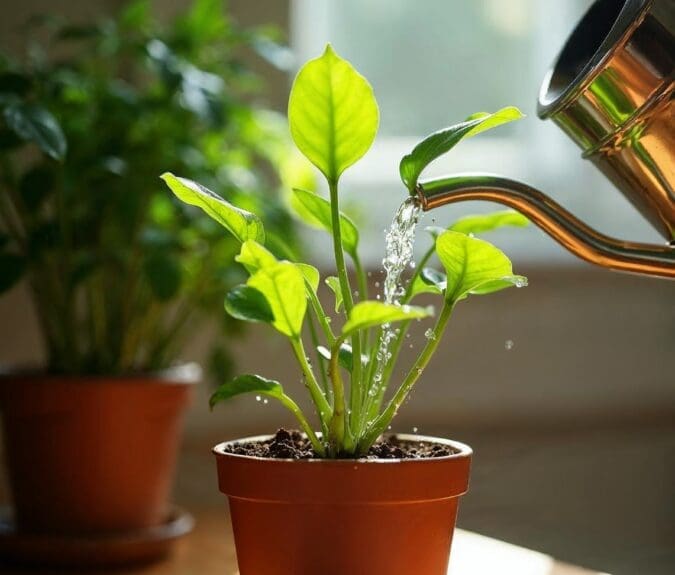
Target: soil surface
{"points": [[294, 445]]}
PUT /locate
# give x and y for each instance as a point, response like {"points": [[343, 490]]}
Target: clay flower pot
{"points": [[333, 517], [92, 454]]}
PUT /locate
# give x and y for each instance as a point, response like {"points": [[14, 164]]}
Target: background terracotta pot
{"points": [[393, 517], [92, 454]]}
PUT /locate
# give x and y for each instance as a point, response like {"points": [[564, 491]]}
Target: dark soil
{"points": [[294, 445]]}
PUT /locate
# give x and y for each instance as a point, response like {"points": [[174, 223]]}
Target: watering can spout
{"points": [[561, 225], [612, 91]]}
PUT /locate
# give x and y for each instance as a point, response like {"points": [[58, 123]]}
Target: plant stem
{"points": [[319, 358], [324, 409], [355, 388], [306, 427], [381, 423], [337, 423], [320, 315]]}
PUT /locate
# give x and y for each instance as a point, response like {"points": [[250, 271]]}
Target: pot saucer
{"points": [[144, 545]]}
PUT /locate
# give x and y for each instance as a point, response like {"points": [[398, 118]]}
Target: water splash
{"points": [[399, 241]]}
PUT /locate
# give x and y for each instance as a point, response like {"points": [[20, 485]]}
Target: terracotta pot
{"points": [[92, 454], [356, 517]]}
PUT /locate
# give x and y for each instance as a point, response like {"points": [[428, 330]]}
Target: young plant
{"points": [[333, 120]]}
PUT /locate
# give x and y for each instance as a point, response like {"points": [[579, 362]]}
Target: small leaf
{"points": [[429, 281], [473, 266], [372, 313], [253, 256], [332, 113], [241, 224], [438, 143], [334, 284], [248, 304], [35, 124], [345, 356], [248, 383], [12, 267], [481, 223], [164, 275], [311, 275], [283, 285], [320, 211]]}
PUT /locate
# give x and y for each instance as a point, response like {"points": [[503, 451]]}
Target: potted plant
{"points": [[121, 275], [319, 501]]}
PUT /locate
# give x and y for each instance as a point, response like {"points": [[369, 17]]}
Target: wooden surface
{"points": [[209, 550]]}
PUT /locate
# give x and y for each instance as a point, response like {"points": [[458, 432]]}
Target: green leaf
{"points": [[283, 285], [311, 275], [248, 304], [345, 356], [164, 275], [319, 210], [35, 124], [429, 281], [334, 284], [248, 383], [332, 113], [253, 256], [438, 143], [481, 223], [12, 267], [373, 313], [241, 224], [473, 266]]}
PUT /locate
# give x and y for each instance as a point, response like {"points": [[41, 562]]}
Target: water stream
{"points": [[399, 242]]}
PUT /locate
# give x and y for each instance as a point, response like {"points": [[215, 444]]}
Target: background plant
{"points": [[333, 120], [89, 116]]}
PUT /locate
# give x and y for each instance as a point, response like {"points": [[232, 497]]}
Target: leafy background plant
{"points": [[333, 119], [89, 117]]}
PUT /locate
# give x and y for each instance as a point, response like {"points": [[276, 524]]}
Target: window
{"points": [[431, 64]]}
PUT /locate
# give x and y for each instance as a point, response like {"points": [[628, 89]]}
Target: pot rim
{"points": [[462, 451], [187, 373]]}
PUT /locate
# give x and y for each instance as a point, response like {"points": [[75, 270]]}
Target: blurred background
{"points": [[566, 390]]}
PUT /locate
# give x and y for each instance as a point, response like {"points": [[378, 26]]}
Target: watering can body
{"points": [[611, 90]]}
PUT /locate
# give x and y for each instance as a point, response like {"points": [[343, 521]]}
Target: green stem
{"points": [[324, 409], [306, 427], [321, 316], [381, 423], [319, 358]]}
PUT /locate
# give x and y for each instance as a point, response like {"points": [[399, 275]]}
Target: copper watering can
{"points": [[611, 91]]}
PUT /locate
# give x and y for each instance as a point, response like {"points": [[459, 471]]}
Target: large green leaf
{"points": [[35, 124], [373, 313], [253, 256], [473, 266], [283, 285], [481, 223], [248, 304], [332, 113], [438, 143], [241, 224], [247, 383], [319, 209]]}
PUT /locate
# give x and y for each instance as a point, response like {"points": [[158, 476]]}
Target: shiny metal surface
{"points": [[561, 225], [611, 90]]}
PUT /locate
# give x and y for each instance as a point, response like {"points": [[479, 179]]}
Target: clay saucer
{"points": [[91, 551]]}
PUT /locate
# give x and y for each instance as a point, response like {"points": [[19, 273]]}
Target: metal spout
{"points": [[556, 221]]}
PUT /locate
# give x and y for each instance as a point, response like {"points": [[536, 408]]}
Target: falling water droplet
{"points": [[429, 334], [508, 344], [258, 398], [415, 429], [377, 284], [265, 401]]}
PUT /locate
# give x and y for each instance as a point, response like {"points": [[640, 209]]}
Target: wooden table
{"points": [[209, 550]]}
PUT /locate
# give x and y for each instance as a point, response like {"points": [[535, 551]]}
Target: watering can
{"points": [[611, 91]]}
